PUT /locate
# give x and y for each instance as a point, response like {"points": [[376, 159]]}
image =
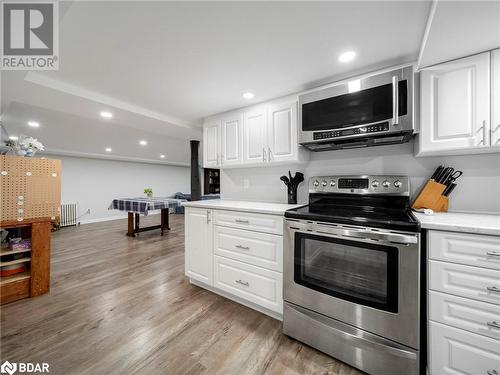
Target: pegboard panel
{"points": [[31, 188]]}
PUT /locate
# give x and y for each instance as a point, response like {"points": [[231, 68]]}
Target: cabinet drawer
{"points": [[469, 249], [474, 316], [244, 220], [454, 351], [255, 284], [260, 249], [465, 281]]}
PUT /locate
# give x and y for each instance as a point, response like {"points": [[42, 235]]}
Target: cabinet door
{"points": [[198, 256], [282, 132], [495, 98], [255, 136], [231, 137], [455, 109], [211, 136]]}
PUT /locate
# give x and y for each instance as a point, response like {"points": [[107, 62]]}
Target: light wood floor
{"points": [[123, 306]]}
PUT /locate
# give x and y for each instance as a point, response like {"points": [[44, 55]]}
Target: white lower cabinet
{"points": [[198, 256], [464, 304], [458, 352], [237, 254], [255, 284]]}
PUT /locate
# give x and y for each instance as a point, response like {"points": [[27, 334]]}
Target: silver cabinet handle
{"points": [[242, 247], [242, 282], [270, 153], [492, 372], [493, 289], [221, 159], [395, 100], [208, 216], [493, 253], [493, 324], [483, 140], [264, 157], [241, 221]]}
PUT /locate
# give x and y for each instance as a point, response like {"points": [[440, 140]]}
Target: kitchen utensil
{"points": [[453, 177], [437, 172], [446, 173], [449, 189]]}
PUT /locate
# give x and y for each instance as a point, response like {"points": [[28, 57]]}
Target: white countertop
{"points": [[461, 222], [247, 206]]}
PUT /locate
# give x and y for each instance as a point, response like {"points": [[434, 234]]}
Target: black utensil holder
{"points": [[292, 195]]}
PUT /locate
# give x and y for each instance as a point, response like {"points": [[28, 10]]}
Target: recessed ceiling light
{"points": [[33, 124], [143, 143], [248, 95], [162, 156], [108, 149], [347, 56], [106, 114], [13, 138]]}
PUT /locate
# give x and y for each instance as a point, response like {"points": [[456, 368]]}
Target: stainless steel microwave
{"points": [[371, 111]]}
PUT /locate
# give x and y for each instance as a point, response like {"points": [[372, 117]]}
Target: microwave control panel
{"points": [[347, 132]]}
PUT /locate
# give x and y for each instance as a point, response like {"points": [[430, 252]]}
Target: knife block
{"points": [[432, 197]]}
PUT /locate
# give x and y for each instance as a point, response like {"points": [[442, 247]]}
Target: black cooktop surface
{"points": [[391, 214]]}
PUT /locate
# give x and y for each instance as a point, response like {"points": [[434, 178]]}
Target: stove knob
{"points": [[316, 183], [375, 183], [398, 183], [324, 183], [386, 184], [332, 183]]}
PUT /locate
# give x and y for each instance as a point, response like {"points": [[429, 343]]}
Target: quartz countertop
{"points": [[461, 222], [246, 206]]}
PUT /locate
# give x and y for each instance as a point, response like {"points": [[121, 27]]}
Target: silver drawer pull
{"points": [[242, 247], [493, 324], [492, 372], [493, 253], [241, 221], [242, 282], [493, 289]]}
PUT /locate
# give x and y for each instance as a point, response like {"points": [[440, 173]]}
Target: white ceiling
{"points": [[161, 67]]}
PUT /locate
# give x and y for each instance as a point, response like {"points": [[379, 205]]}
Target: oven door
{"points": [[369, 279]]}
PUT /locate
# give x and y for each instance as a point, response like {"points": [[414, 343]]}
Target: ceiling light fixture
{"points": [[106, 114], [162, 156], [143, 143], [108, 149], [248, 95], [354, 86], [347, 56], [33, 124], [13, 138]]}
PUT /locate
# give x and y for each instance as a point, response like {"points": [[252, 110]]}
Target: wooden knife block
{"points": [[432, 197]]}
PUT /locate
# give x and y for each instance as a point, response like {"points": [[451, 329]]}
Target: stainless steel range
{"points": [[352, 273]]}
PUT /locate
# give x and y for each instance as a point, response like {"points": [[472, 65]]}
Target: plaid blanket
{"points": [[144, 205]]}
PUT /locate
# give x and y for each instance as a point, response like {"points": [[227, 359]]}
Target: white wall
{"points": [[94, 183], [478, 189]]}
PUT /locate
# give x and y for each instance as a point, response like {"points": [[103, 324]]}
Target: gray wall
{"points": [[94, 183], [478, 189]]}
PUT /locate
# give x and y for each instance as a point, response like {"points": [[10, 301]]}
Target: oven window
{"points": [[357, 108], [354, 271]]}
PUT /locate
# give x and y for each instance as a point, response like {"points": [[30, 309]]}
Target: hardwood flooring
{"points": [[121, 305]]}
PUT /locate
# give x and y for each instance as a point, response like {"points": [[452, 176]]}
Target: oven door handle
{"points": [[395, 100], [359, 234]]}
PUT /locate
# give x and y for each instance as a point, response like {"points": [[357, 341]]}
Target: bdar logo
{"points": [[8, 368]]}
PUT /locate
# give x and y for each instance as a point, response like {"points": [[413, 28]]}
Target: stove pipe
{"points": [[195, 172]]}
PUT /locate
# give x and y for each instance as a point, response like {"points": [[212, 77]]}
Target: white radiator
{"points": [[68, 214]]}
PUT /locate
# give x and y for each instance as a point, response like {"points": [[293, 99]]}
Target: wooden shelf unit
{"points": [[36, 280]]}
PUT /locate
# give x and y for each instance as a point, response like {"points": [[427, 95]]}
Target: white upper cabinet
{"points": [[495, 98], [455, 107], [211, 144], [282, 132], [231, 139], [255, 136]]}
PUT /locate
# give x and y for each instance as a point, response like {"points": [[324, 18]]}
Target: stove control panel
{"points": [[394, 185]]}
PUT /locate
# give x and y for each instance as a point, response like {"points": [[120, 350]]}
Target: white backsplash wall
{"points": [[478, 189]]}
